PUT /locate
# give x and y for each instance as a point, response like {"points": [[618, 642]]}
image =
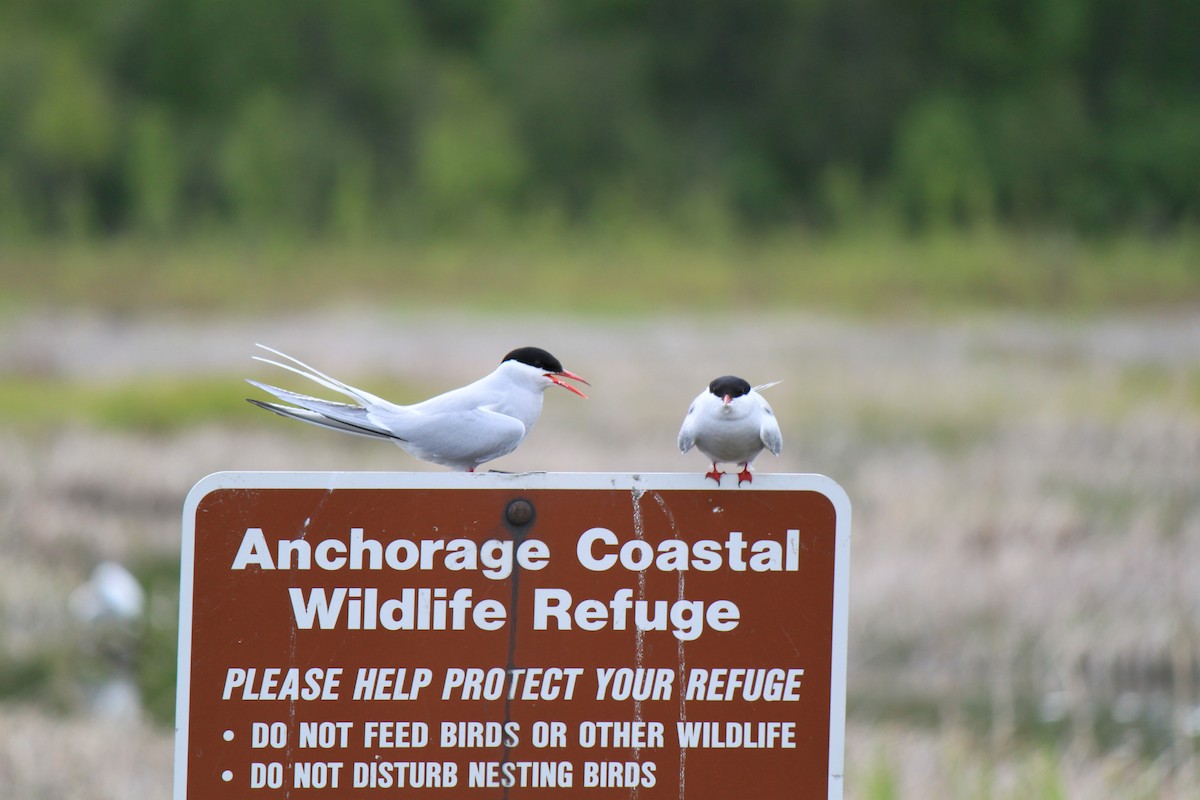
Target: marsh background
{"points": [[963, 235]]}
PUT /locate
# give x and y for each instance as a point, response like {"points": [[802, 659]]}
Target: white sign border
{"points": [[633, 482]]}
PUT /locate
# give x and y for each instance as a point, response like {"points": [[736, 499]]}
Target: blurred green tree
{"points": [[312, 118]]}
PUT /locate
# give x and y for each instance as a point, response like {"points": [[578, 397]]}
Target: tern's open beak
{"points": [[555, 378]]}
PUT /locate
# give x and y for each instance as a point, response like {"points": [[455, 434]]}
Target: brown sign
{"points": [[359, 635]]}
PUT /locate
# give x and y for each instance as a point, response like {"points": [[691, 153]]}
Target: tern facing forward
{"points": [[460, 429], [730, 422]]}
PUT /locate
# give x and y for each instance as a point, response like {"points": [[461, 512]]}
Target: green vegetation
{"points": [[648, 272], [600, 155], [311, 119], [148, 405], [158, 637]]}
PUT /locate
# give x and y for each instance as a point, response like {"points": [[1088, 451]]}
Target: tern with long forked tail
{"points": [[730, 422], [460, 429]]}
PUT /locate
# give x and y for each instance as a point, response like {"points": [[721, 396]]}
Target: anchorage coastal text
{"points": [[597, 549]]}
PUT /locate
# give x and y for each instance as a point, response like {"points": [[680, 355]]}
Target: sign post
{"points": [[361, 635]]}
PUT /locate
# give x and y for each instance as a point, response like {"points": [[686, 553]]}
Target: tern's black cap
{"points": [[730, 385], [535, 357]]}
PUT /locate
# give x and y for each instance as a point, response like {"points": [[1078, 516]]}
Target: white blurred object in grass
{"points": [[112, 594]]}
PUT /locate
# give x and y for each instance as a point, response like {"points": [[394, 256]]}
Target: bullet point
{"points": [[228, 736], [227, 775]]}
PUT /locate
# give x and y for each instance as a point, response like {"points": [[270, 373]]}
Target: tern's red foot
{"points": [[714, 474], [744, 476]]}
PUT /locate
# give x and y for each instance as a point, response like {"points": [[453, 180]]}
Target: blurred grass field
{"points": [[1015, 417], [633, 271]]}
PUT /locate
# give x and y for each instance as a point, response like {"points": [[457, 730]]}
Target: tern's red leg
{"points": [[744, 476], [714, 474]]}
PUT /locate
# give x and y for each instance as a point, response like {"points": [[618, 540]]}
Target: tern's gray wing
{"points": [[461, 439], [771, 437], [769, 431], [687, 431]]}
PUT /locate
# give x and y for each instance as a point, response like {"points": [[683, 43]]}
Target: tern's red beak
{"points": [[727, 400], [555, 378]]}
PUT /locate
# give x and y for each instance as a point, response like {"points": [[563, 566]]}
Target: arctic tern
{"points": [[460, 429], [730, 422]]}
